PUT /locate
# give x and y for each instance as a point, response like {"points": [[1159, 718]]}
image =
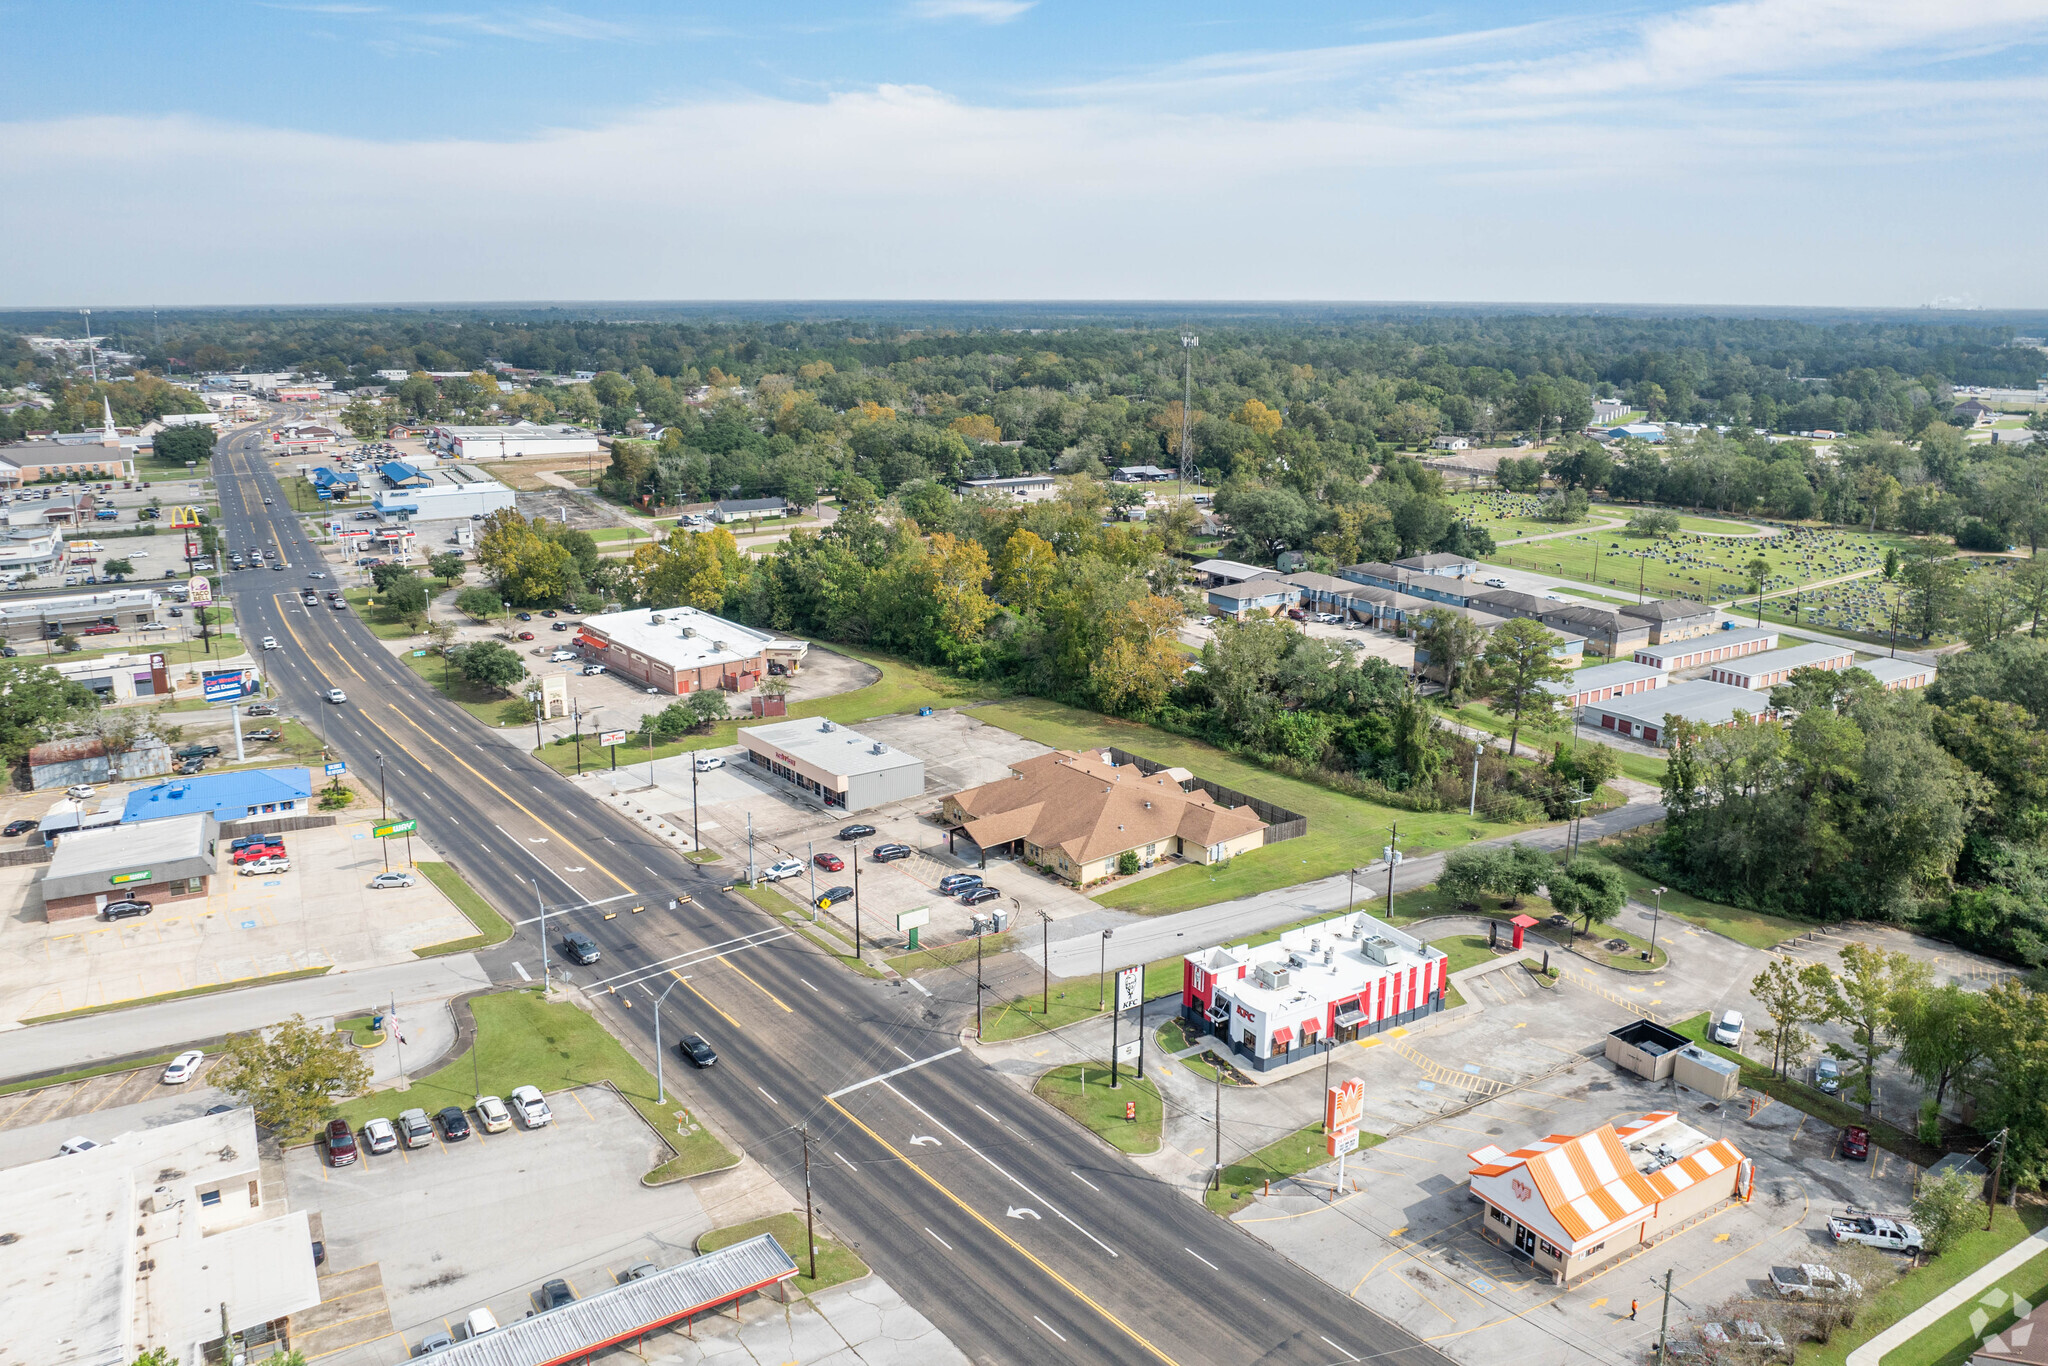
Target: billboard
{"points": [[231, 685], [1130, 986], [335, 770], [612, 737]]}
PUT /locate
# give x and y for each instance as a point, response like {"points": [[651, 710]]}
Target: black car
{"points": [[856, 832], [974, 896], [889, 853], [832, 896], [555, 1294], [697, 1050], [121, 910], [454, 1125], [581, 948], [559, 626], [18, 828], [526, 616], [547, 611], [958, 882]]}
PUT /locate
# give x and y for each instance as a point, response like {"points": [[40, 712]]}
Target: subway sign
{"points": [[143, 876]]}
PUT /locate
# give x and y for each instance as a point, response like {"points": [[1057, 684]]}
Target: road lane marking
{"points": [[1041, 1322], [978, 1107], [1014, 1245], [771, 1100], [806, 983], [937, 1239], [1213, 1267], [520, 968], [756, 985], [900, 1053], [1086, 1182], [705, 999], [1347, 1355], [919, 985], [849, 1090], [849, 1166]]}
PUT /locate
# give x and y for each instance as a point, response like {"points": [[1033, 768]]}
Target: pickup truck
{"points": [[1872, 1231], [199, 752], [265, 733], [413, 1128], [1809, 1281], [106, 514]]}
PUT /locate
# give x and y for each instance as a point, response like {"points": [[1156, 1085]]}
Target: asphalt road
{"points": [[1020, 1235]]}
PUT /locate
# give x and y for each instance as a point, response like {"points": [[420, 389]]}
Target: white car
{"points": [[393, 880], [492, 1115], [561, 656], [788, 867], [258, 866], [80, 793], [1496, 583], [378, 1136], [75, 1145], [707, 762], [270, 642], [183, 1068], [336, 696], [532, 1106]]}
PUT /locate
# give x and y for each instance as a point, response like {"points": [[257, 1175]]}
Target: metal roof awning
{"points": [[628, 1311], [1350, 1016]]}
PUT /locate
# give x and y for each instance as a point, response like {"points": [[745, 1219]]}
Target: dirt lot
{"points": [[319, 914]]}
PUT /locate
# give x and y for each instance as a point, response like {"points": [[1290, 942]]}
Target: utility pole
{"points": [[1188, 342], [1654, 923], [1393, 858], [1664, 1324], [1997, 1170], [1045, 959], [810, 1227], [750, 844], [856, 919], [383, 807], [695, 843], [1216, 1171], [978, 988], [543, 935]]}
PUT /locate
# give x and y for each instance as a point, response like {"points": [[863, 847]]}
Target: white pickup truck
{"points": [[1872, 1231], [1810, 1281]]}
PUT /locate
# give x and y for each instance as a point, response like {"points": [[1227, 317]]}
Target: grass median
{"points": [[1074, 999], [1303, 1150], [522, 1040], [491, 928], [1082, 1091], [837, 1263]]}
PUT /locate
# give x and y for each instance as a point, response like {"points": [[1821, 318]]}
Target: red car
{"points": [[102, 629], [1855, 1143], [250, 852], [526, 635], [341, 1144], [831, 863]]}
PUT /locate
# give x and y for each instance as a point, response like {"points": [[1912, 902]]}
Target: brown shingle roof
{"points": [[1089, 808]]}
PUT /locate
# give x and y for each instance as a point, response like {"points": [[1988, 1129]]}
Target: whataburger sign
{"points": [[1343, 1108]]}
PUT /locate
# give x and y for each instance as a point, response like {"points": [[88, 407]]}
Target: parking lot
{"points": [[442, 1225], [319, 914]]}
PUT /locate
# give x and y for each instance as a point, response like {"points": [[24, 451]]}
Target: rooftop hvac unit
{"points": [[880, 748], [1271, 976], [825, 725], [656, 619], [1329, 955], [1379, 949], [689, 632]]}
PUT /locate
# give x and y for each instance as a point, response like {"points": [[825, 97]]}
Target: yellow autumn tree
{"points": [[814, 371], [954, 572], [1137, 669], [689, 569], [1257, 416], [871, 411], [976, 427], [1026, 570]]}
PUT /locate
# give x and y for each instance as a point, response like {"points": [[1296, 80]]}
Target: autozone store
{"points": [[1318, 986]]}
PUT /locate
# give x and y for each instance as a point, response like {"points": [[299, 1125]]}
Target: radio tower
{"points": [[1188, 342], [91, 351]]}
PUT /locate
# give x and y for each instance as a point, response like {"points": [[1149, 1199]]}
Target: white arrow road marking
{"points": [[1019, 1213], [916, 1139]]}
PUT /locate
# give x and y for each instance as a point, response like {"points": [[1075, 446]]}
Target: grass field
{"points": [[1712, 526], [959, 951], [837, 1263], [1073, 999], [1298, 1152], [1081, 1090], [1859, 608], [491, 928], [1341, 829], [1509, 516], [1707, 568], [1758, 929], [524, 1041], [377, 619]]}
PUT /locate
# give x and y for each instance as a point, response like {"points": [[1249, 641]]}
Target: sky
{"points": [[1761, 152]]}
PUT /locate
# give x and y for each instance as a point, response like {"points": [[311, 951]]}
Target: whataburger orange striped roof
{"points": [[1587, 1183]]}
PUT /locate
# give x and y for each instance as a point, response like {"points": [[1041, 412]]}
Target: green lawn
{"points": [[1758, 929], [1949, 1340], [837, 1263], [495, 709], [1642, 767], [525, 1041], [902, 687], [1463, 951], [1707, 568], [1342, 830], [1509, 516], [1073, 999], [1298, 1152], [360, 1031], [1686, 522], [1081, 1090], [377, 619], [491, 928], [945, 955]]}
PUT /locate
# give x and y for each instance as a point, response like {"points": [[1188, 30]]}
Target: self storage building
{"points": [[1701, 651], [1895, 674], [1642, 716], [1623, 678], [1773, 667], [1570, 1204], [1316, 987]]}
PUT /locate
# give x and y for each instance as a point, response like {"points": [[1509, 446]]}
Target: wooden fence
{"points": [[1281, 824]]}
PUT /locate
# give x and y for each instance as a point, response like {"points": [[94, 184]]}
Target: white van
{"points": [[1728, 1033], [479, 1322]]}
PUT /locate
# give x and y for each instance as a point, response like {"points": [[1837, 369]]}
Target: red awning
{"points": [[1282, 1037], [1309, 1027], [1525, 921]]}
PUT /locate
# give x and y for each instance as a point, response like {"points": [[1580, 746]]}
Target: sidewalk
{"points": [[1873, 1351], [69, 1044]]}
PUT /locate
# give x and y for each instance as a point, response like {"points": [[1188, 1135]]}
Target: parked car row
{"points": [[254, 855], [415, 1129]]}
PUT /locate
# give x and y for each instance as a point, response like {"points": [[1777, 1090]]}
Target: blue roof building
{"points": [[400, 475], [324, 476], [1643, 431], [228, 796]]}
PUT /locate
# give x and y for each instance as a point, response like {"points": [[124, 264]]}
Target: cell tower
{"points": [[1188, 342], [91, 351]]}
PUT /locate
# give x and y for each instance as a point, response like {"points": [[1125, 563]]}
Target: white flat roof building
{"points": [[847, 770], [1623, 678], [517, 439], [137, 1243], [1642, 716], [1711, 648], [1229, 571], [454, 492]]}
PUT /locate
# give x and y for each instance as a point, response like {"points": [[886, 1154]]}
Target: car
{"points": [[832, 896], [492, 1115], [270, 642], [704, 763], [432, 1343], [244, 841], [559, 626], [526, 616], [561, 656], [336, 696], [856, 832], [122, 910], [378, 1136], [638, 1271], [532, 1107], [830, 862], [279, 566], [269, 863], [958, 882], [183, 1068], [1727, 1030], [889, 853], [1855, 1143], [317, 574], [79, 793], [199, 752], [478, 1322], [413, 1129], [338, 604], [580, 948], [218, 1109], [697, 1050], [383, 880], [1827, 1075], [974, 896], [526, 635], [99, 629], [1496, 583], [782, 868], [554, 1294], [454, 1124], [592, 670], [184, 766], [18, 828], [1876, 1231], [341, 1144], [250, 853], [548, 612], [265, 733], [153, 626], [71, 1146], [261, 709]]}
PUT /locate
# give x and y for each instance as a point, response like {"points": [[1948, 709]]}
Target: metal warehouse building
{"points": [[841, 767]]}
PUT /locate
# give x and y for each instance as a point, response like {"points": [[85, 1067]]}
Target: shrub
{"points": [[1127, 862]]}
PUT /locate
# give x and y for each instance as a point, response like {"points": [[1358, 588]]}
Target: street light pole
{"points": [[1102, 968], [1473, 809], [383, 808], [543, 935], [660, 1094], [977, 981], [695, 843], [856, 917], [1045, 959], [1654, 923]]}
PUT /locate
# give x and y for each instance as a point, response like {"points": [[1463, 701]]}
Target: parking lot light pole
{"points": [[660, 1094], [856, 911], [543, 935], [1045, 959], [1655, 922], [383, 807]]}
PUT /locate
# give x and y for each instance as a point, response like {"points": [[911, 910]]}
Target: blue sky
{"points": [[1876, 152]]}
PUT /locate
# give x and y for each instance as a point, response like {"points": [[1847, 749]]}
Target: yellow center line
{"points": [[1015, 1246], [702, 997], [756, 985]]}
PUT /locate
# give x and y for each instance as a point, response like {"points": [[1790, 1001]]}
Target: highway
{"points": [[1021, 1236]]}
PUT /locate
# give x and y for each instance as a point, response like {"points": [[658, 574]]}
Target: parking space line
{"points": [[581, 1106]]}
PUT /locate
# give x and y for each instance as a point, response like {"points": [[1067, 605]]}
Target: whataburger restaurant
{"points": [[1318, 986]]}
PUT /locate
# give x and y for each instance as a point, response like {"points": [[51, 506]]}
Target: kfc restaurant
{"points": [[1316, 987]]}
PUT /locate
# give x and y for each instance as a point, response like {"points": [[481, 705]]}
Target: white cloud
{"points": [[988, 11]]}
